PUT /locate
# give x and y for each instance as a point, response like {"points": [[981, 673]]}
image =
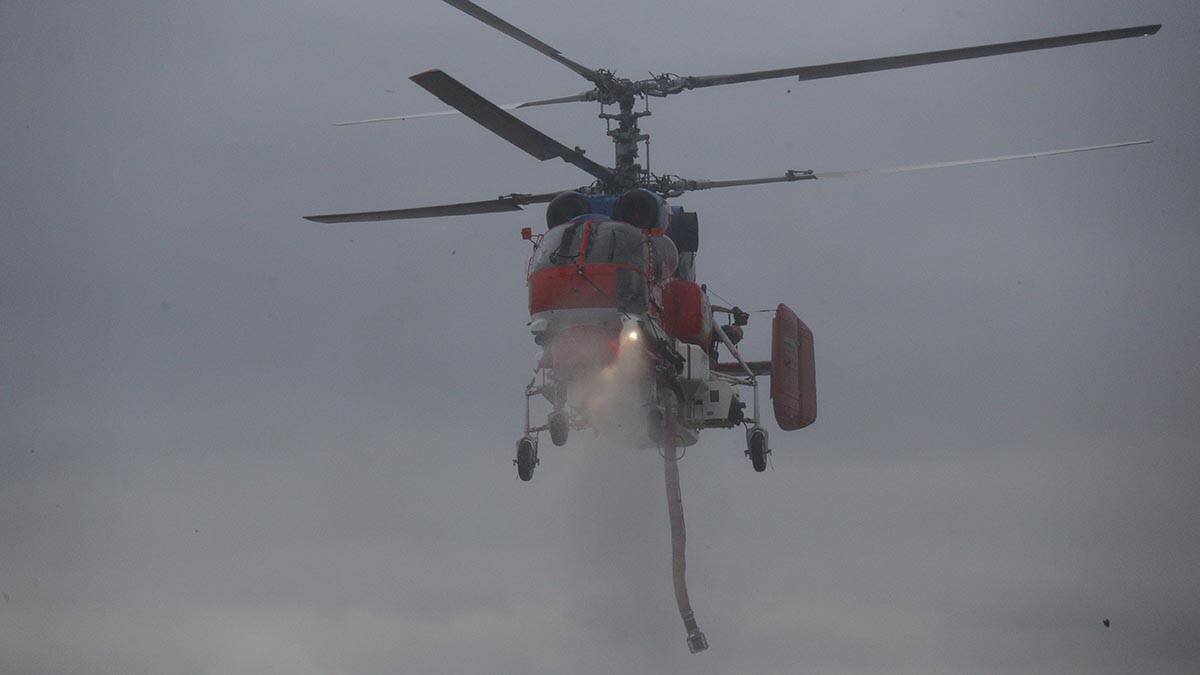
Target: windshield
{"points": [[666, 256], [560, 246], [609, 242], [616, 242]]}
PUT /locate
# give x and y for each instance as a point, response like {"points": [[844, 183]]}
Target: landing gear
{"points": [[527, 457], [560, 426], [756, 440]]}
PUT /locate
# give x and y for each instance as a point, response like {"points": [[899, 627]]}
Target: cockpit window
{"points": [[666, 256], [560, 246], [615, 242], [609, 242]]}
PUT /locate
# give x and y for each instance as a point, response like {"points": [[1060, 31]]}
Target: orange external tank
{"points": [[687, 315]]}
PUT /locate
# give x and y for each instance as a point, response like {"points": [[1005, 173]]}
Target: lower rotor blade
{"points": [[512, 202], [683, 185], [585, 96], [503, 124], [968, 162]]}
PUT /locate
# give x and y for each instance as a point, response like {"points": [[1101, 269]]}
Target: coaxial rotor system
{"points": [[610, 90]]}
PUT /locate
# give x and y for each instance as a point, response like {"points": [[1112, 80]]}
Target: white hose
{"points": [[695, 639]]}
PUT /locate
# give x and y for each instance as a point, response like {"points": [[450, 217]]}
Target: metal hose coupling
{"points": [[696, 641]]}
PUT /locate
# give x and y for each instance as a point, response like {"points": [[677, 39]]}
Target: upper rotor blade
{"points": [[791, 176], [921, 59], [507, 203], [585, 96], [503, 124], [521, 36]]}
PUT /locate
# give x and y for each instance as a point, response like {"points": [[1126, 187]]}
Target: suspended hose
{"points": [[695, 639]]}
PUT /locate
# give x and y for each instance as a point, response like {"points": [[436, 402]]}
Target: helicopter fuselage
{"points": [[608, 299]]}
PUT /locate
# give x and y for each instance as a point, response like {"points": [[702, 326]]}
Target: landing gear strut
{"points": [[757, 451], [527, 457]]}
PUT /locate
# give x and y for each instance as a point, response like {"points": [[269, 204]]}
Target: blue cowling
{"points": [[602, 204]]}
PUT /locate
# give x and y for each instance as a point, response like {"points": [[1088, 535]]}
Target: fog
{"points": [[234, 441]]}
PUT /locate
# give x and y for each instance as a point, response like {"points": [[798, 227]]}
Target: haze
{"points": [[233, 441]]}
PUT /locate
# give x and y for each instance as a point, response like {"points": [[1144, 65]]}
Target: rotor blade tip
{"points": [[426, 73]]}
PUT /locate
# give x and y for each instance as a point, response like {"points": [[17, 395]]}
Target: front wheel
{"points": [[526, 458]]}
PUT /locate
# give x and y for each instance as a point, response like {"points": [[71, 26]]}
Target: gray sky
{"points": [[232, 441]]}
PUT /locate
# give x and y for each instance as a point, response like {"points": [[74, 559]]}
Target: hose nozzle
{"points": [[696, 641]]}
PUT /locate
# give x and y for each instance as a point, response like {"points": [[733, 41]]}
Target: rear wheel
{"points": [[668, 397], [526, 458], [559, 427], [758, 450], [654, 424]]}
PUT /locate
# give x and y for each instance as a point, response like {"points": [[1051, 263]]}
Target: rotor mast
{"points": [[626, 137]]}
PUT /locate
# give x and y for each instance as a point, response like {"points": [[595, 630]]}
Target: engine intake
{"points": [[565, 206], [641, 208]]}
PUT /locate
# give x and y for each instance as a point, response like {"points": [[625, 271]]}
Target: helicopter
{"points": [[612, 279], [615, 269]]}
